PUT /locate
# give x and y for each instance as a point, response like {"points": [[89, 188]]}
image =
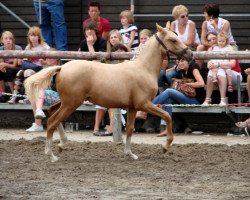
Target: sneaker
{"points": [[13, 100], [35, 128], [24, 101], [39, 114]]}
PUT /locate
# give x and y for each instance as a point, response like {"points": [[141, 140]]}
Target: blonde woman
{"points": [[184, 27]]}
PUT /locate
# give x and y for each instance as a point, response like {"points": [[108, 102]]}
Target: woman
{"points": [[214, 23], [184, 27], [172, 96]]}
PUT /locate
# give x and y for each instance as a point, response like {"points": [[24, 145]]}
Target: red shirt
{"points": [[237, 66], [104, 25]]}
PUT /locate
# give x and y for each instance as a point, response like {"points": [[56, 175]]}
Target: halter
{"points": [[178, 54]]}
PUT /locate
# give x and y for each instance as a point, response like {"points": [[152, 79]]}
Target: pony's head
{"points": [[171, 44]]}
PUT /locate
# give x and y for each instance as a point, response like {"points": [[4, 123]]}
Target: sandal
{"points": [[207, 102], [230, 88], [102, 133], [241, 124], [223, 102]]}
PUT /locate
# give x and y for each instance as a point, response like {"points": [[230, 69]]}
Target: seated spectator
{"points": [[8, 66], [129, 31], [214, 23], [189, 70], [222, 45], [221, 72], [46, 97], [92, 42], [103, 24], [35, 43], [144, 36], [184, 27]]}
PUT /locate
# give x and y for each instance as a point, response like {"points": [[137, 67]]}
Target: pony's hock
{"points": [[110, 85]]}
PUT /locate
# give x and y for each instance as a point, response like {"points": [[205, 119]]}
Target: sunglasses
{"points": [[183, 16]]}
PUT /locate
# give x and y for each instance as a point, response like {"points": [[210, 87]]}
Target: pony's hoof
{"points": [[135, 157], [164, 149], [54, 158]]}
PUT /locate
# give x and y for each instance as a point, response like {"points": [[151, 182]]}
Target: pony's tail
{"points": [[39, 80]]}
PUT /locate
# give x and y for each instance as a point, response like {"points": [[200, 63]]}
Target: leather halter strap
{"points": [[178, 54]]}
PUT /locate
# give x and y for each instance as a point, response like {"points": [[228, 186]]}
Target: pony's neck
{"points": [[151, 57]]}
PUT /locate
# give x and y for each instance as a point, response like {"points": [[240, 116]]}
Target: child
{"points": [[114, 38], [32, 65], [8, 66], [129, 31], [144, 36], [222, 45], [45, 97]]}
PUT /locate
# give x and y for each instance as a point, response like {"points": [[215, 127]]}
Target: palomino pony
{"points": [[130, 85]]}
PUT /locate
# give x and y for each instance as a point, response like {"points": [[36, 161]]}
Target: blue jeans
{"points": [[53, 11], [29, 65], [172, 96], [166, 77]]}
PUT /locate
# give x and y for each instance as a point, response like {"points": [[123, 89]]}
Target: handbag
{"points": [[180, 85]]}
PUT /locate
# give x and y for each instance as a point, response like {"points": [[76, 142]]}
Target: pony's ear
{"points": [[160, 29], [168, 25]]}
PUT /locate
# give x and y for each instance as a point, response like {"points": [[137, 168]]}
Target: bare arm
{"points": [[204, 33], [199, 83], [191, 35], [132, 38]]}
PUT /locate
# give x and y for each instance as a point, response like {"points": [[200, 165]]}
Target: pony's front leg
{"points": [[129, 131], [154, 110], [63, 137], [48, 150]]}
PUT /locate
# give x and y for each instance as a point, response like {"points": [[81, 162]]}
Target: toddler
{"points": [[222, 45], [144, 36]]}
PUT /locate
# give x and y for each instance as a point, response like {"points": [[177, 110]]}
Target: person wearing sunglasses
{"points": [[184, 27]]}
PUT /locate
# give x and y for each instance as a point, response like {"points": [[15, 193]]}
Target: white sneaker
{"points": [[39, 114], [24, 101], [13, 100], [35, 128]]}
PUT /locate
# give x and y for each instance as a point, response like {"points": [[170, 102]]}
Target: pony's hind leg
{"points": [[62, 134], [53, 122], [129, 131]]}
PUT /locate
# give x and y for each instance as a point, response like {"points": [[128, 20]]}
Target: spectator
{"points": [[247, 71], [184, 27], [172, 96], [8, 66], [214, 23], [144, 36], [92, 42], [222, 66], [114, 39], [223, 46], [129, 31], [52, 11], [35, 43], [103, 24], [45, 97]]}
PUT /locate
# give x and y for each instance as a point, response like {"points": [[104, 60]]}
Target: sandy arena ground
{"points": [[198, 167]]}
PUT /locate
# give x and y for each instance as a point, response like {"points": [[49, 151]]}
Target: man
{"points": [[102, 23], [48, 11]]}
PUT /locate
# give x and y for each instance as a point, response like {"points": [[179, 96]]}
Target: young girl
{"points": [[144, 36], [129, 31], [45, 97], [8, 66], [35, 43], [114, 38], [32, 65], [222, 45]]}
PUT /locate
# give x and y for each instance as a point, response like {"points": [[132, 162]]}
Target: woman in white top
{"points": [[184, 27]]}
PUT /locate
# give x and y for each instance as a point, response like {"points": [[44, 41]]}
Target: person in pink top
{"points": [[103, 24]]}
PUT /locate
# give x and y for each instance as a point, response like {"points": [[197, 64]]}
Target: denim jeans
{"points": [[53, 11], [167, 77], [172, 96]]}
